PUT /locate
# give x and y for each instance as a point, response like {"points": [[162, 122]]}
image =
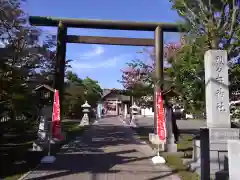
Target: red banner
{"points": [[161, 124], [56, 126]]}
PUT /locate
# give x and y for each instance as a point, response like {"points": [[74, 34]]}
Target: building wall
{"points": [[147, 112], [114, 103], [110, 104]]}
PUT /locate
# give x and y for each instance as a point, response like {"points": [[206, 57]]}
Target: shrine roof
{"points": [[43, 86], [108, 92]]}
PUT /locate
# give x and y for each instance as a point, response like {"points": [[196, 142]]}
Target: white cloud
{"points": [[111, 62], [95, 51]]}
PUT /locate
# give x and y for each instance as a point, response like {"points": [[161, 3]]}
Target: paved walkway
{"points": [[107, 151]]}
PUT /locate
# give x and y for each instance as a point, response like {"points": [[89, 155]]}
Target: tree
{"points": [[210, 25], [18, 58], [187, 74], [73, 95], [93, 91], [77, 91], [23, 56], [139, 76], [12, 17], [73, 78], [216, 21], [28, 59]]}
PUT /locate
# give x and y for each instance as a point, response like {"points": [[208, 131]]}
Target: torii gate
{"points": [[63, 38]]}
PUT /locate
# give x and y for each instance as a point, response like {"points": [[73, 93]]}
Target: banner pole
{"points": [[49, 139]]}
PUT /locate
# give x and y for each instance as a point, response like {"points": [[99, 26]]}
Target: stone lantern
{"points": [[86, 109]]}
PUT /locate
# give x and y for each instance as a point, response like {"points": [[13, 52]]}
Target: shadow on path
{"points": [[106, 151]]}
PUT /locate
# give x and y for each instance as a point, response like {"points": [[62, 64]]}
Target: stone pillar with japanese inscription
{"points": [[218, 114], [216, 92]]}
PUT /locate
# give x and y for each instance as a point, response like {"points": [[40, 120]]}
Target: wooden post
{"points": [[60, 62], [158, 69]]}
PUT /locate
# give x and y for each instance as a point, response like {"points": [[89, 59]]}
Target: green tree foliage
{"points": [[139, 76], [73, 96], [77, 91], [19, 59], [187, 74], [27, 59], [210, 25], [93, 91], [216, 21]]}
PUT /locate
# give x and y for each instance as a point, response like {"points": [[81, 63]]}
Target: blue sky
{"points": [[103, 62]]}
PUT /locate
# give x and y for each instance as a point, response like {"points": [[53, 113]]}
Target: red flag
{"points": [[56, 126], [161, 124]]}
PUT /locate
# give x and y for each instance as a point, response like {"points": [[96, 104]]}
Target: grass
{"points": [[17, 160], [174, 160]]}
